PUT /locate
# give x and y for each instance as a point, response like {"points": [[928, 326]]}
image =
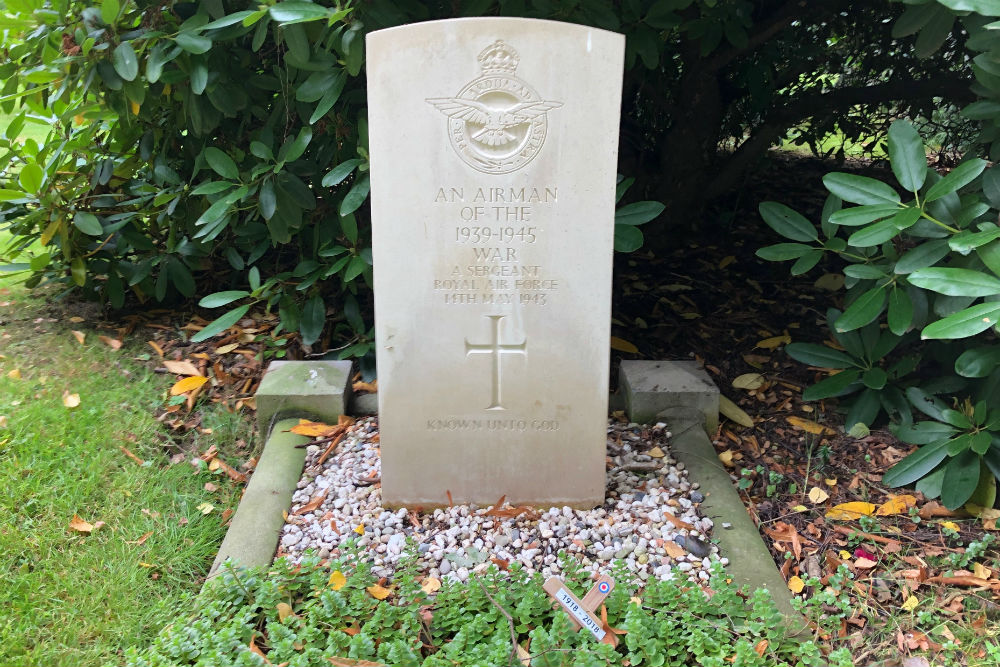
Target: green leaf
{"points": [[787, 222], [312, 320], [864, 409], [961, 477], [783, 251], [916, 465], [956, 179], [349, 225], [226, 21], [864, 310], [181, 277], [157, 58], [864, 272], [955, 282], [964, 323], [192, 43], [293, 151], [906, 154], [820, 356], [831, 386], [638, 213], [860, 189], [219, 325], [340, 172], [221, 163], [10, 195], [925, 433], [967, 240], [984, 7], [295, 11], [873, 235], [31, 178], [924, 255], [125, 61], [78, 271], [990, 255], [979, 362], [900, 314], [355, 197], [109, 11], [267, 202], [862, 215], [874, 378], [212, 187], [222, 298], [955, 418], [354, 269], [628, 238], [329, 98], [199, 78], [88, 223], [913, 19], [806, 262]]}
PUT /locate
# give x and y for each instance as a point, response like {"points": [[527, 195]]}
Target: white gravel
{"points": [[631, 526]]}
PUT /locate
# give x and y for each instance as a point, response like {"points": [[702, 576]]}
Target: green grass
{"points": [[33, 128], [69, 598]]}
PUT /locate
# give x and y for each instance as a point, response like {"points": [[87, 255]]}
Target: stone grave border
{"points": [[676, 392]]}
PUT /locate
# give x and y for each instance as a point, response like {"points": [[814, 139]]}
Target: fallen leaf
{"points": [[950, 525], [818, 495], [734, 412], [773, 342], [749, 381], [378, 592], [830, 482], [365, 387], [3, 421], [523, 656], [205, 508], [800, 508], [139, 542], [761, 647], [916, 661], [810, 426], [187, 384], [80, 336], [910, 603], [959, 580], [226, 349], [360, 530], [673, 549], [623, 345], [76, 319], [180, 367], [284, 610], [795, 584], [113, 343], [313, 503], [254, 649], [337, 580], [353, 662], [128, 452], [80, 526], [656, 453], [981, 571], [153, 344], [430, 585], [211, 488], [71, 400], [850, 511], [727, 458], [14, 374], [896, 505], [312, 429], [864, 563]]}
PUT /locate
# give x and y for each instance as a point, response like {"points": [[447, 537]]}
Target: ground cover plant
{"points": [[337, 612], [102, 537]]}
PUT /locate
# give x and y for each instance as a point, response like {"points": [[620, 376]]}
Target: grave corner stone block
{"points": [[306, 389], [650, 387], [493, 145]]}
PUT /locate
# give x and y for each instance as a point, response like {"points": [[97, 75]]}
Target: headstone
{"points": [[493, 146]]}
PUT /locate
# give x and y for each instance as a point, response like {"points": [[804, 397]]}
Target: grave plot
{"points": [[649, 521]]}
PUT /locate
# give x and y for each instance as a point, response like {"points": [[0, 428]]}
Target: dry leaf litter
{"points": [[649, 521]]}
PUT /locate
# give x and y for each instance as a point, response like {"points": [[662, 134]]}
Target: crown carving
{"points": [[498, 57]]}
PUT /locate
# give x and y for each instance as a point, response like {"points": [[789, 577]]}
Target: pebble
{"points": [[628, 527]]}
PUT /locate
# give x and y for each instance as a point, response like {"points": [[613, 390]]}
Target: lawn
{"points": [[34, 128], [71, 597]]}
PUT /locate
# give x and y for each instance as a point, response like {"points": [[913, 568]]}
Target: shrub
{"points": [[918, 335], [305, 615]]}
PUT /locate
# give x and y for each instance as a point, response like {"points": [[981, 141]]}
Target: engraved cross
{"points": [[495, 348]]}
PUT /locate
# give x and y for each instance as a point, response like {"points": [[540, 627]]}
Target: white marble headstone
{"points": [[494, 146]]}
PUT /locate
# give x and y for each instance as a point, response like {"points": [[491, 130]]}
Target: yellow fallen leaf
{"points": [[749, 381], [818, 495], [76, 319], [378, 592], [810, 426], [896, 505], [849, 511], [113, 343], [673, 549], [187, 384], [80, 526], [635, 600], [311, 429], [71, 400], [950, 525], [79, 335], [337, 580], [830, 482], [734, 412], [15, 374], [524, 655], [141, 564], [795, 584], [430, 585], [727, 458], [360, 530], [623, 345], [284, 610], [226, 349], [3, 421], [981, 571], [844, 555], [656, 453], [800, 508], [910, 603], [205, 508], [773, 342]]}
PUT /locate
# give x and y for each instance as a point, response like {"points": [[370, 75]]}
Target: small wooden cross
{"points": [[581, 612]]}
